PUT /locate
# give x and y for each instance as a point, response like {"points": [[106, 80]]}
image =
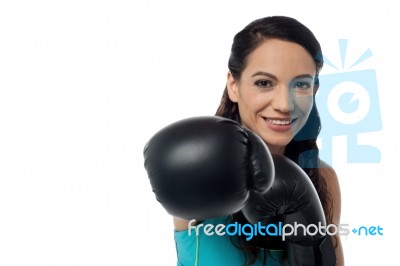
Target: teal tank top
{"points": [[216, 250]]}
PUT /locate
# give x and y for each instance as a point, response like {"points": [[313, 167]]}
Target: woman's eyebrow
{"points": [[266, 74], [262, 73], [304, 76]]}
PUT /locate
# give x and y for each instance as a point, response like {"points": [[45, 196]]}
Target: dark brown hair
{"points": [[303, 148]]}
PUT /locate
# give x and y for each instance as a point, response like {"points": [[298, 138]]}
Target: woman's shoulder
{"points": [[329, 174], [333, 188]]}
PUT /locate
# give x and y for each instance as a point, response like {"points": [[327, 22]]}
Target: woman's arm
{"points": [[333, 187], [181, 224]]}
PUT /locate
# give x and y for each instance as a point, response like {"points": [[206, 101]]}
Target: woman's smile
{"points": [[279, 124]]}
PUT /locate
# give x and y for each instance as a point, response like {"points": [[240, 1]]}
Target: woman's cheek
{"points": [[305, 104]]}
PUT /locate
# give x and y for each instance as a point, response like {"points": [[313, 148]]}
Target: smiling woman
{"points": [[271, 85], [274, 92]]}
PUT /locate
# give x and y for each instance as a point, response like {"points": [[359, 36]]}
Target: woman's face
{"points": [[275, 91]]}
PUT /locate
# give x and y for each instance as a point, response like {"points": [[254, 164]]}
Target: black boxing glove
{"points": [[294, 198], [205, 167]]}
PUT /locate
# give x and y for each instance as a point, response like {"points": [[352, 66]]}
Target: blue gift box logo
{"points": [[348, 103]]}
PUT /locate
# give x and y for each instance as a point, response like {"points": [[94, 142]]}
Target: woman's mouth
{"points": [[279, 124], [283, 122]]}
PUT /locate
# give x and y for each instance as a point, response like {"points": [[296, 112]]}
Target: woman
{"points": [[271, 85]]}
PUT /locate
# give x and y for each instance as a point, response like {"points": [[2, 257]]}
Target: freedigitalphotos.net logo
{"points": [[348, 103], [280, 229]]}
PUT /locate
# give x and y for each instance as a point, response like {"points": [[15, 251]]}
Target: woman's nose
{"points": [[283, 99]]}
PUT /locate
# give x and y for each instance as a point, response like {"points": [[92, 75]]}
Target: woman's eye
{"points": [[302, 85], [263, 83]]}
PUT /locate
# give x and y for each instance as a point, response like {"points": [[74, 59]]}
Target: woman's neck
{"points": [[276, 149]]}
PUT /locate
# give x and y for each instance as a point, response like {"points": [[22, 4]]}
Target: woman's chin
{"points": [[277, 145]]}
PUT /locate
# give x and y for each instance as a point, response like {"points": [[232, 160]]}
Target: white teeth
{"points": [[278, 122]]}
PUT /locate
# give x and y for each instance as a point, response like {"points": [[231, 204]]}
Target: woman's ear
{"points": [[232, 87]]}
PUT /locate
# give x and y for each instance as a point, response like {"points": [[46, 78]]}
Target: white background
{"points": [[84, 85]]}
